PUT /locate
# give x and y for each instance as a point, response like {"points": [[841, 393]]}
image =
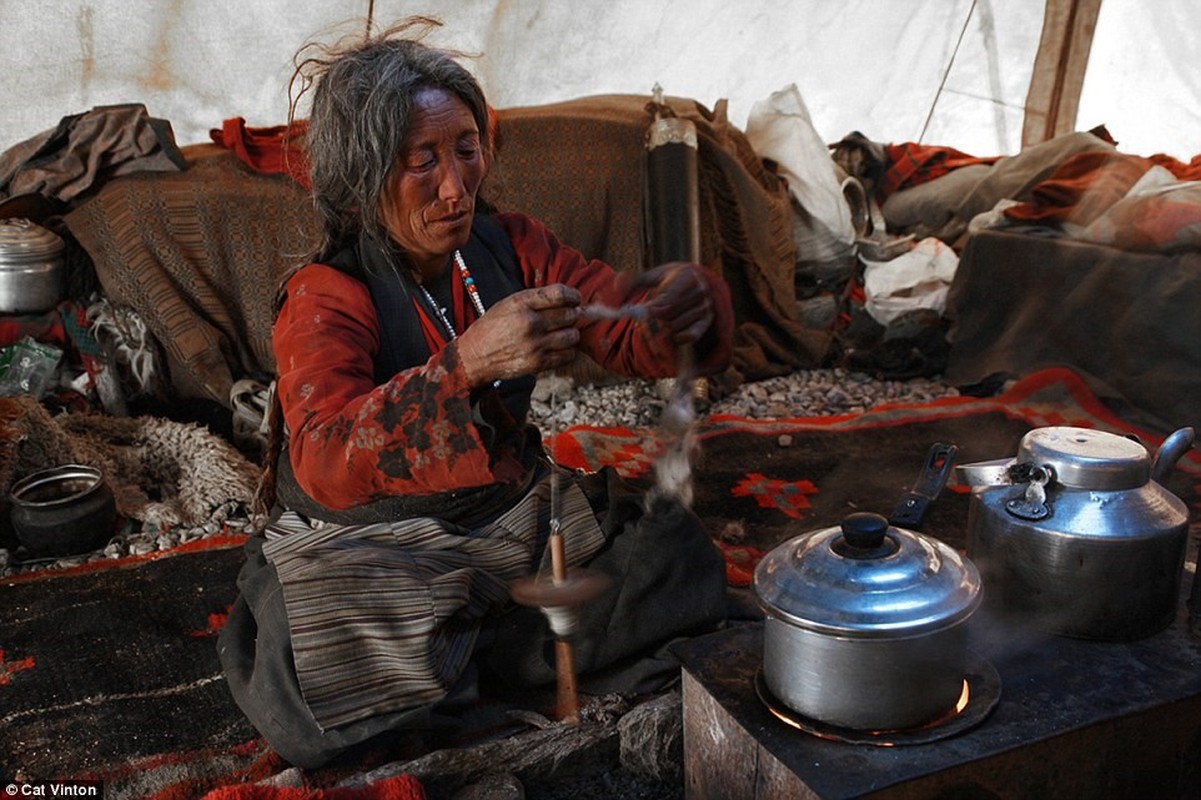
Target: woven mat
{"points": [[112, 672]]}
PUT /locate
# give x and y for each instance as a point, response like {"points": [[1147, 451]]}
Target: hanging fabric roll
{"points": [[673, 199], [673, 212]]}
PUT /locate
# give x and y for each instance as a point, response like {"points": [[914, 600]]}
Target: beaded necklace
{"points": [[472, 292]]}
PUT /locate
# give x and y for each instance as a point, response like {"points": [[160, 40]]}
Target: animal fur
{"points": [[861, 158], [162, 473]]}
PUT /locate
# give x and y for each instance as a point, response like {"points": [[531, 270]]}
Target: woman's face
{"points": [[429, 199]]}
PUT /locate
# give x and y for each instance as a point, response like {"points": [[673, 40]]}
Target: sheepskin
{"points": [[162, 473]]}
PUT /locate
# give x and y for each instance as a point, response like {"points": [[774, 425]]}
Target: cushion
{"points": [[926, 207]]}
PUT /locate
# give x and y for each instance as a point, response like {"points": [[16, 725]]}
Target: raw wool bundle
{"points": [[125, 338], [162, 473], [677, 434]]}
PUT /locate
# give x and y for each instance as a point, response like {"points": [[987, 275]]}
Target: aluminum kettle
{"points": [[1077, 536]]}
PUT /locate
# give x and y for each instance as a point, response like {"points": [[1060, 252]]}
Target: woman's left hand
{"points": [[679, 298]]}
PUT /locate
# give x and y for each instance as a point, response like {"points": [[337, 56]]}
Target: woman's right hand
{"points": [[526, 333]]}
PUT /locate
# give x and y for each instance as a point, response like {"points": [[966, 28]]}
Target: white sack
{"points": [[779, 128], [916, 280]]}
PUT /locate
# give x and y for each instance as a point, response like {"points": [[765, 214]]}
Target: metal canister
{"points": [[31, 267]]}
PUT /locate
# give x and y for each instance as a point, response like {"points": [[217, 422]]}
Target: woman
{"points": [[412, 490]]}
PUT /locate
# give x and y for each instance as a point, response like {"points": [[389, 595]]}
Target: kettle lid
{"points": [[1084, 458]]}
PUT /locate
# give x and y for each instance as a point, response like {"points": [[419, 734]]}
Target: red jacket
{"points": [[352, 441]]}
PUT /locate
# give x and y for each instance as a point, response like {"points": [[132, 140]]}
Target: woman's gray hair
{"points": [[362, 108]]}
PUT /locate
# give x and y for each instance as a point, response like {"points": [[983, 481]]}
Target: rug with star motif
{"points": [[110, 672], [758, 483]]}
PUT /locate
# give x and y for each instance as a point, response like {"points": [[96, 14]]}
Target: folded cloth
{"points": [[274, 150], [84, 150], [1089, 183], [398, 787], [1081, 188]]}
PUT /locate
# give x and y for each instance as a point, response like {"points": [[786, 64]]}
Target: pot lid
{"points": [[1084, 458], [25, 242], [867, 579]]}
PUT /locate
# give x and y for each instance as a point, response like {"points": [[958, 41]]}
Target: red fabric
{"points": [[1087, 184], [271, 151], [910, 164], [46, 328], [1081, 188], [398, 787], [1182, 171], [741, 561], [353, 442]]}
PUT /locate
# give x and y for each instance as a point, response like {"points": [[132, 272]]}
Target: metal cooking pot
{"points": [[1076, 536], [31, 267], [865, 622], [865, 625]]}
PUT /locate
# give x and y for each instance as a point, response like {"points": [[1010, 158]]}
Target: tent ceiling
{"points": [[952, 72]]}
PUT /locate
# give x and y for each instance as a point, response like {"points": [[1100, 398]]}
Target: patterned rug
{"points": [[110, 672], [758, 483]]}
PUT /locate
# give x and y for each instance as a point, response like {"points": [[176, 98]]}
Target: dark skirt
{"points": [[667, 582]]}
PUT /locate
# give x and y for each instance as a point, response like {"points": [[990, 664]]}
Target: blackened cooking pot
{"points": [[62, 511]]}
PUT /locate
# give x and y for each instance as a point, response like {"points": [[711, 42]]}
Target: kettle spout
{"points": [[1173, 447], [986, 473]]}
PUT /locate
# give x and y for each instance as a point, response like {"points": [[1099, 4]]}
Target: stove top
{"points": [[1066, 712]]}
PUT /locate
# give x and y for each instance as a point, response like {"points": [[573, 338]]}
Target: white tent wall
{"points": [[1143, 80], [948, 72], [869, 65]]}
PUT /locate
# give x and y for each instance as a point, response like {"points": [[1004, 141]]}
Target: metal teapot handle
{"points": [[1170, 452]]}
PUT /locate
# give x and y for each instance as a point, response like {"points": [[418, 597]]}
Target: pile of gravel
{"points": [[805, 393], [557, 404]]}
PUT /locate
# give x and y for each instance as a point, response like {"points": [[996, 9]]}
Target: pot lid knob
{"points": [[864, 535]]}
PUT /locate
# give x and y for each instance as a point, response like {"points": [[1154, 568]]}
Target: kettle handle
{"points": [[1173, 447]]}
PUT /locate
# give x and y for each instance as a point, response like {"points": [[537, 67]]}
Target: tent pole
{"points": [[947, 72], [1059, 66]]}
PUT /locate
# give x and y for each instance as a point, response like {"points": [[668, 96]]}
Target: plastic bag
{"points": [[28, 367], [779, 128], [916, 280]]}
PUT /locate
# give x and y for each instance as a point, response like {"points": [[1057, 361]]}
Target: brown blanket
{"points": [[197, 253], [1128, 322]]}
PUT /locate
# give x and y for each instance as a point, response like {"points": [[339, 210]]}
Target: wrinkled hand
{"points": [[524, 334], [679, 298]]}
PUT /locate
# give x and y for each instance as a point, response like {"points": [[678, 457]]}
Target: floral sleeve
{"points": [[353, 442]]}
